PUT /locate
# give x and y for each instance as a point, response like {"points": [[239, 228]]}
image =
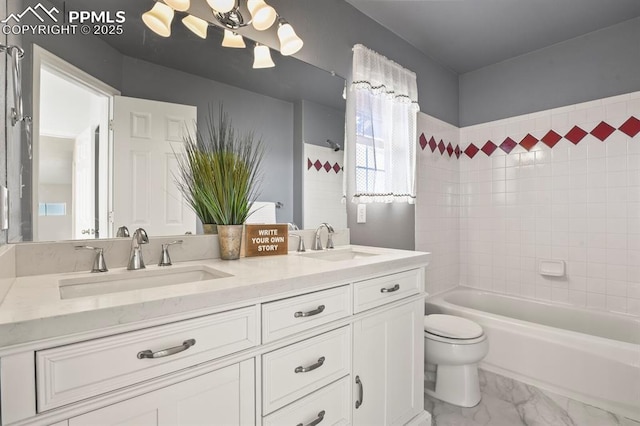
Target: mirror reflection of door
{"points": [[146, 136], [83, 183], [71, 151]]}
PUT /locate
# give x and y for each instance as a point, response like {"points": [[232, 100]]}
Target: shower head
{"points": [[334, 145]]}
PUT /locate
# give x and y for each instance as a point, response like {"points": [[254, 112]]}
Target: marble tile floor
{"points": [[507, 402]]}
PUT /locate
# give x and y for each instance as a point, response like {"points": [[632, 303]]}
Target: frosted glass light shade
{"points": [[196, 25], [262, 15], [158, 19], [179, 5], [232, 39], [290, 43], [222, 6], [262, 57]]}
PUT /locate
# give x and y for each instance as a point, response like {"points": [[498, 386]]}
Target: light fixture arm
{"points": [[232, 19]]}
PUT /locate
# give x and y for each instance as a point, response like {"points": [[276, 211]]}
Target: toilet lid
{"points": [[451, 327]]}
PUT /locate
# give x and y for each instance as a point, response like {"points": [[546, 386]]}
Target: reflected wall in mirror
{"points": [[276, 103]]}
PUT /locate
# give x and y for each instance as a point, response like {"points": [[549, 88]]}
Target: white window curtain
{"points": [[382, 106]]}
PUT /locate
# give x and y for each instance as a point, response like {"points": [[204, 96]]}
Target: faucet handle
{"points": [[123, 232], [301, 247], [165, 259], [99, 264]]}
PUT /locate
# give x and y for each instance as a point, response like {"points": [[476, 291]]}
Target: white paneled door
{"points": [[146, 134], [388, 367]]}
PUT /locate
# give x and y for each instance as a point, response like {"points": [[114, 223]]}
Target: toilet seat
{"points": [[452, 329]]}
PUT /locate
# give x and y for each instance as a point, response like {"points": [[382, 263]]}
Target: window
{"points": [[384, 109]]}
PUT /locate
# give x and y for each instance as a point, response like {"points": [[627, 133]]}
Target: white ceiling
{"points": [[465, 35]]}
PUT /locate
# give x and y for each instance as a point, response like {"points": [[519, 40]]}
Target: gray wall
{"points": [[596, 65], [320, 122]]}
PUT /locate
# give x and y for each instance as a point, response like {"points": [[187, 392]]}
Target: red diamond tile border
{"points": [[488, 148], [575, 135], [432, 144], [631, 127], [471, 150], [449, 149], [508, 144], [326, 166], [551, 139], [528, 142], [423, 141], [602, 131]]}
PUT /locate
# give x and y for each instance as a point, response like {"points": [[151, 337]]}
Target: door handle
{"points": [[360, 392]]}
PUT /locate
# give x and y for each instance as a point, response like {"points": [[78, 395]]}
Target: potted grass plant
{"points": [[220, 171]]}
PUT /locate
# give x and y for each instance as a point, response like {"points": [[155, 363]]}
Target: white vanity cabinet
{"points": [[388, 366], [345, 353], [226, 395]]}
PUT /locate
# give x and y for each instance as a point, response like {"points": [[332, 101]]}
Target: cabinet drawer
{"points": [[70, 373], [289, 316], [379, 291], [296, 370], [332, 404]]}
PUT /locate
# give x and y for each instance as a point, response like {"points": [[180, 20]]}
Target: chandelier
{"points": [[228, 14]]}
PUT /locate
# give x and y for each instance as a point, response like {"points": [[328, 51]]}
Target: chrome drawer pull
{"points": [[316, 311], [390, 290], [311, 367], [316, 421], [167, 352], [360, 393]]}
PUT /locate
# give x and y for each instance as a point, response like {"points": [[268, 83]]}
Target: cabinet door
{"points": [[388, 366], [224, 397]]}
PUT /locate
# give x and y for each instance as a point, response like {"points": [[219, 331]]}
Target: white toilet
{"points": [[453, 347]]}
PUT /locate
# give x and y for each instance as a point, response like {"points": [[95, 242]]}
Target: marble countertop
{"points": [[33, 309]]}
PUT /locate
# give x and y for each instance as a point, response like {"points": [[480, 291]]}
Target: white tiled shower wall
{"points": [[322, 187], [577, 203], [438, 206]]}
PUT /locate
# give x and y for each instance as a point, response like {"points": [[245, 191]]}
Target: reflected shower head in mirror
{"points": [[334, 145]]}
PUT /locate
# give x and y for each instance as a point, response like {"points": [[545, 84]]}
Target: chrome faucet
{"points": [[317, 244], [99, 264], [135, 257]]}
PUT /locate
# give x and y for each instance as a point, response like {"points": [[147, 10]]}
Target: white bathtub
{"points": [[590, 356]]}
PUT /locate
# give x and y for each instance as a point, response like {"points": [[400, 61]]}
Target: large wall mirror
{"points": [[64, 163]]}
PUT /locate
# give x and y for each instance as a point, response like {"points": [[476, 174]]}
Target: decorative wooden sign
{"points": [[266, 240]]}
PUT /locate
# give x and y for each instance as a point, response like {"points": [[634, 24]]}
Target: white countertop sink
{"points": [[336, 255], [99, 284]]}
